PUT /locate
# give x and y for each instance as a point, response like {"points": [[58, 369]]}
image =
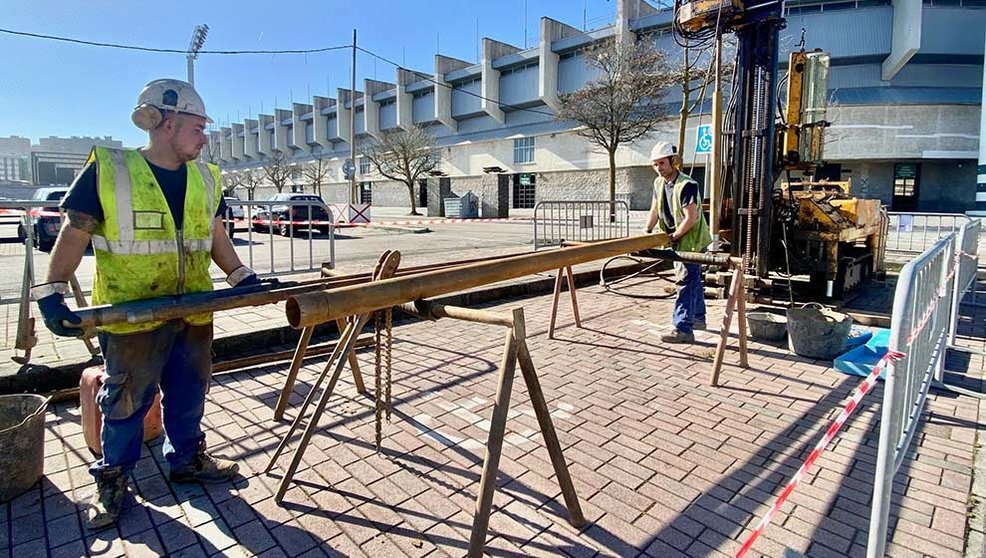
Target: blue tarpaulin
{"points": [[861, 360]]}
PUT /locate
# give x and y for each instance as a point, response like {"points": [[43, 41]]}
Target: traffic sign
{"points": [[703, 140], [348, 169]]}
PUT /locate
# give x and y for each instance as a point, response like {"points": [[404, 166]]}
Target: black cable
{"points": [[167, 50], [426, 77], [609, 286]]}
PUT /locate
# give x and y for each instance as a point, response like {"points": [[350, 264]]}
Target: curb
{"points": [[47, 379]]}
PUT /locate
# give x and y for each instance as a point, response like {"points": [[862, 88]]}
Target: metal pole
{"points": [[352, 125], [981, 168], [191, 70]]}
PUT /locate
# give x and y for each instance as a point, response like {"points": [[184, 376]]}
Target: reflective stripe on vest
{"points": [[139, 252]]}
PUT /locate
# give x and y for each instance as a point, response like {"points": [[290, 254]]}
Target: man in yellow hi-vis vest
{"points": [[153, 217], [677, 206]]}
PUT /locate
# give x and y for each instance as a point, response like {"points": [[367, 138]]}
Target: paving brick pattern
{"points": [[663, 464]]}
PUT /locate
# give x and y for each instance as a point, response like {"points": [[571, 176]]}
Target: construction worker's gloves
{"points": [[243, 276], [51, 300]]}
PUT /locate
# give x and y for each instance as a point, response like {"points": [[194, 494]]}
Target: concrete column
{"points": [[226, 144], [627, 11], [981, 169], [250, 139], [905, 39], [237, 137], [443, 91], [371, 108], [551, 31], [320, 122], [405, 100], [266, 146], [281, 118], [490, 90], [215, 146], [345, 105], [300, 139]]}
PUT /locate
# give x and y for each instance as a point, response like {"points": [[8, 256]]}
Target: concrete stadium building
{"points": [[905, 90]]}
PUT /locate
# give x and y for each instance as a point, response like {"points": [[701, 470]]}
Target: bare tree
{"points": [[251, 180], [231, 181], [277, 170], [696, 74], [622, 104], [316, 172], [404, 156]]}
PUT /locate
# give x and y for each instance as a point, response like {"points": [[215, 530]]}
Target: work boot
{"points": [[678, 337], [107, 502], [205, 468]]}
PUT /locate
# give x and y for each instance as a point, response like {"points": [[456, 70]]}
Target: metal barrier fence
{"points": [[581, 221], [916, 232], [288, 218], [38, 224], [929, 291]]}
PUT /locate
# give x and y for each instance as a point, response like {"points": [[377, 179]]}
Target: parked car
{"points": [[233, 213], [284, 218], [47, 220]]}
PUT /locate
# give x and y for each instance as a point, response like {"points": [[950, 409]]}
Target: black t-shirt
{"points": [[83, 195], [689, 195]]}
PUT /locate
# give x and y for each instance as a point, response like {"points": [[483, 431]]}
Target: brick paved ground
{"points": [[663, 464]]}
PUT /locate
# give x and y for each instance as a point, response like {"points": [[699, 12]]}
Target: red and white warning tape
{"points": [[860, 392], [444, 221]]}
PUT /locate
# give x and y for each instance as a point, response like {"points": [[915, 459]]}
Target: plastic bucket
{"points": [[817, 332], [764, 325], [22, 421]]}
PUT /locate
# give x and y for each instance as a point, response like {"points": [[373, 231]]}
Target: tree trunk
{"points": [[612, 185], [410, 192]]}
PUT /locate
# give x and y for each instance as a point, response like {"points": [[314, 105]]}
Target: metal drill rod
{"points": [[319, 307]]}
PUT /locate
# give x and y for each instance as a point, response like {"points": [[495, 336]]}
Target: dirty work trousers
{"points": [[178, 358], [689, 307]]}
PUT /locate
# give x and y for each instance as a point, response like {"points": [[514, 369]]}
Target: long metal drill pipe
{"points": [[319, 307], [172, 307]]}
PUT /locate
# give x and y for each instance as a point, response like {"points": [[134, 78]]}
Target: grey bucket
{"points": [[764, 325], [817, 332], [22, 443]]}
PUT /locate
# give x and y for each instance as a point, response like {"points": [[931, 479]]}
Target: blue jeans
{"points": [[178, 358], [689, 307]]}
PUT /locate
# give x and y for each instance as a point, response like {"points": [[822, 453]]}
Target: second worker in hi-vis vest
{"points": [[153, 217], [677, 206]]}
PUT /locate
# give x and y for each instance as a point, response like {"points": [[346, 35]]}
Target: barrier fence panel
{"points": [[919, 329], [581, 221], [916, 232], [310, 222], [967, 254]]}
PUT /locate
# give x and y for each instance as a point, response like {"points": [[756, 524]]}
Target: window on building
{"points": [[364, 166], [523, 150], [366, 192]]}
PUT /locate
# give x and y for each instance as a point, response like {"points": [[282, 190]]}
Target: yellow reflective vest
{"points": [[140, 253]]}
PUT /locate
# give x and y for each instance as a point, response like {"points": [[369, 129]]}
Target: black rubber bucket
{"points": [[22, 439]]}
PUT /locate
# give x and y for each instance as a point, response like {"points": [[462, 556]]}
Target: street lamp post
{"points": [[194, 46]]}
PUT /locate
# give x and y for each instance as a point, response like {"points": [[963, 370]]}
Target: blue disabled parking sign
{"points": [[703, 140]]}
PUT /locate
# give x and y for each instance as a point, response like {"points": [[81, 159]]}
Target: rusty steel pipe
{"points": [[318, 307], [172, 307]]}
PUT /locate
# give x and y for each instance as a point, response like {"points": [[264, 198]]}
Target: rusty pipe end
{"points": [[306, 310]]}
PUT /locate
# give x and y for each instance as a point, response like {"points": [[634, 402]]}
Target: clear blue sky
{"points": [[52, 88]]}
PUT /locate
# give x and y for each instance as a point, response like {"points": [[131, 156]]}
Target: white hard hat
{"points": [[166, 95], [661, 150]]}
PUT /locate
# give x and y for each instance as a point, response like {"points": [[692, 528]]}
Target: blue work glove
{"points": [[243, 276], [51, 301]]}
